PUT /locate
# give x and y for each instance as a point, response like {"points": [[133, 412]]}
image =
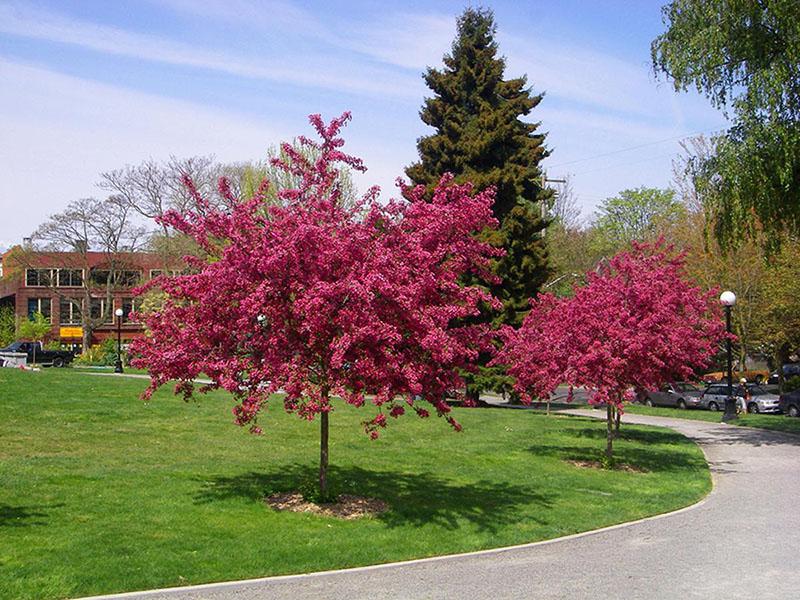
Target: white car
{"points": [[761, 401]]}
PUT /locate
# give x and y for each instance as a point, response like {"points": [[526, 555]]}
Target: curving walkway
{"points": [[743, 541]]}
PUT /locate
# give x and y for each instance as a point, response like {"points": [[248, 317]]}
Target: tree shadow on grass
{"points": [[653, 460], [414, 498], [23, 516], [642, 436]]}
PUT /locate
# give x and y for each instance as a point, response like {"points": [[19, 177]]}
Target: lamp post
{"points": [[118, 365], [728, 299]]}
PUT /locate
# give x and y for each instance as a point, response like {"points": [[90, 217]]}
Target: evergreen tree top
{"points": [[476, 114]]}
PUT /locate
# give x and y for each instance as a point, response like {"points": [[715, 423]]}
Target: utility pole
{"points": [[544, 183]]}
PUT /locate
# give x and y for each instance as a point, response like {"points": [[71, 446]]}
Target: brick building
{"points": [[53, 282]]}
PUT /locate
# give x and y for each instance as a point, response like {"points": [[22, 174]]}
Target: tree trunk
{"points": [[609, 433], [323, 456], [86, 339], [617, 417]]}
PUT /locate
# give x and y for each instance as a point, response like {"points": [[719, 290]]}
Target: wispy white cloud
{"points": [[313, 71], [59, 132], [408, 40], [271, 16]]}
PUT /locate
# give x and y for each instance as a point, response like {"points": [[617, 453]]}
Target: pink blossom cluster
{"points": [[638, 323], [315, 299]]}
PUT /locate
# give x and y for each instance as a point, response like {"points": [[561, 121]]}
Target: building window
{"points": [[172, 273], [130, 305], [100, 309], [70, 278], [38, 277], [41, 305], [129, 278], [69, 311], [118, 278]]}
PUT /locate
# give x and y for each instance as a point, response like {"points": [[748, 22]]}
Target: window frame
{"points": [[58, 278], [38, 277], [102, 302], [39, 300], [66, 301]]}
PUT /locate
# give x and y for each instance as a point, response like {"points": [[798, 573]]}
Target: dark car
{"points": [[790, 403], [789, 370], [679, 394], [56, 358]]}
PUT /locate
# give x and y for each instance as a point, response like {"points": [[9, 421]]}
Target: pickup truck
{"points": [[56, 358]]}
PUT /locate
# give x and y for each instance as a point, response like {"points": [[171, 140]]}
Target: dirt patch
{"points": [[346, 506], [596, 464]]}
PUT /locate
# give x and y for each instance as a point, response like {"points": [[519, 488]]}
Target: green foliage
{"points": [[102, 354], [8, 325], [636, 214], [791, 384], [481, 138], [522, 269], [34, 329], [476, 114], [777, 320], [745, 57]]}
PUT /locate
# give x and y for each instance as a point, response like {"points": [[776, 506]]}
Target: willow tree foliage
{"points": [[744, 55]]}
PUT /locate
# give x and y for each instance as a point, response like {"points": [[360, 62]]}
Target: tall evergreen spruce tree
{"points": [[480, 138]]}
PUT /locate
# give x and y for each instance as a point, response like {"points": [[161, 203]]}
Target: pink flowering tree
{"points": [[637, 323], [313, 299]]}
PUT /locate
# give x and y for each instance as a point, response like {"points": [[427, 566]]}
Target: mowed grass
{"points": [[100, 492], [771, 422]]}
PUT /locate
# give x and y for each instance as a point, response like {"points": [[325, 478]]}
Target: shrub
{"points": [[791, 384]]}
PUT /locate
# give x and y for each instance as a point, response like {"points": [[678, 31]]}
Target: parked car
{"points": [[761, 400], [713, 397], [789, 370], [790, 403], [681, 394], [56, 358]]}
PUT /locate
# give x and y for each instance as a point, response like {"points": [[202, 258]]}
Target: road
{"points": [[742, 541]]}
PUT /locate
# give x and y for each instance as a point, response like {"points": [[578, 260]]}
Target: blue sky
{"points": [[88, 86]]}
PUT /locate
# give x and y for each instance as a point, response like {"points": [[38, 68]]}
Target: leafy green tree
{"points": [[35, 329], [480, 137], [637, 214], [8, 325], [744, 55], [777, 326]]}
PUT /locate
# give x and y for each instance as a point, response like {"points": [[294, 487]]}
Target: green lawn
{"points": [[102, 493], [773, 422]]}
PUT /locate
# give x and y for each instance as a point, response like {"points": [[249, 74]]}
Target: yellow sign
{"points": [[71, 332]]}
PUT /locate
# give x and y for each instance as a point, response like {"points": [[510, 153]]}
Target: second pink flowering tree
{"points": [[637, 323], [315, 300]]}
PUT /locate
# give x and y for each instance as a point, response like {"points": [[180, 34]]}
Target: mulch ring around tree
{"points": [[596, 464], [346, 507]]}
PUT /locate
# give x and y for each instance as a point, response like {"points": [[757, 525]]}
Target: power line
{"points": [[623, 164], [621, 150]]}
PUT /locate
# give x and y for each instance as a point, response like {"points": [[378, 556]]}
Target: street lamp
{"points": [[118, 365], [728, 299]]}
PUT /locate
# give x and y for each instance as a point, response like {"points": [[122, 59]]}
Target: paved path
{"points": [[743, 541]]}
